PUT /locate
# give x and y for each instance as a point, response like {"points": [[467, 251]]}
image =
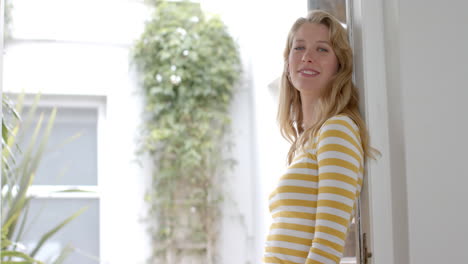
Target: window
{"points": [[70, 162]]}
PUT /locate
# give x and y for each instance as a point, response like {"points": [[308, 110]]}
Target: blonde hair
{"points": [[340, 97]]}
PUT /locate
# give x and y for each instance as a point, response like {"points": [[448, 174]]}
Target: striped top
{"points": [[313, 204]]}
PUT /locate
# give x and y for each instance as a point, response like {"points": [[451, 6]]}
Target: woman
{"points": [[318, 113]]}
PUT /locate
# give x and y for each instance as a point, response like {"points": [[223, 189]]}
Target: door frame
{"points": [[372, 22]]}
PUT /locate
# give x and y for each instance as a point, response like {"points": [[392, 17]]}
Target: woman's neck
{"points": [[308, 112]]}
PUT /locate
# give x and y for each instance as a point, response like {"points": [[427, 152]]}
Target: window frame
{"points": [[94, 102]]}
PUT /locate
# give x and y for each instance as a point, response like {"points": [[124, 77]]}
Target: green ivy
{"points": [[189, 65]]}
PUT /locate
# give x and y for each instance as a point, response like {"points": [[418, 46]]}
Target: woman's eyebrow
{"points": [[324, 41], [319, 41]]}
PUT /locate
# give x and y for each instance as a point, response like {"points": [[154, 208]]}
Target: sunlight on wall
{"points": [[103, 21]]}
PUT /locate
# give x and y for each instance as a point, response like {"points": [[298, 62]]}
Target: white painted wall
{"points": [[415, 91], [397, 155], [434, 52]]}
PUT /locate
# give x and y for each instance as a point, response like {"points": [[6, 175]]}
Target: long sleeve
{"points": [[339, 158]]}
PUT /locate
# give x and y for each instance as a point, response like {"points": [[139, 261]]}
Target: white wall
{"points": [[434, 55], [416, 87], [397, 152]]}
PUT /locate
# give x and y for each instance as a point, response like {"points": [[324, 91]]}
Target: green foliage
{"points": [[189, 65], [18, 170]]}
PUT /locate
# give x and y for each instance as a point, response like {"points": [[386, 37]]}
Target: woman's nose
{"points": [[308, 57]]}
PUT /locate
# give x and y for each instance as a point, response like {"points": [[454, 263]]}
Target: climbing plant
{"points": [[189, 66]]}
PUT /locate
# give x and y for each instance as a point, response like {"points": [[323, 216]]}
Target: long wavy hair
{"points": [[339, 97]]}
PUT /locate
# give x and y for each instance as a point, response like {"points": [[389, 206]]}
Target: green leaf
{"points": [[64, 253], [25, 212], [8, 105], [54, 230], [18, 174], [17, 254]]}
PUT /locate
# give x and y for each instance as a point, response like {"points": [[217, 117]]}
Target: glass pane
{"points": [[68, 162], [82, 232], [335, 7]]}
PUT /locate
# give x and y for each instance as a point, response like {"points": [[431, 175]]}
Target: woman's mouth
{"points": [[309, 73]]}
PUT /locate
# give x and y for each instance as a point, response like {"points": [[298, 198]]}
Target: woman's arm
{"points": [[339, 158]]}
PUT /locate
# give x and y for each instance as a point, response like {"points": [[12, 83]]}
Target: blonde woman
{"points": [[318, 113]]}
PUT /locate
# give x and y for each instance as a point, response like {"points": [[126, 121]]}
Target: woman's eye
{"points": [[299, 48], [322, 50]]}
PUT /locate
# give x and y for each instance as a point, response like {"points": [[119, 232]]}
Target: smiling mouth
{"points": [[309, 72]]}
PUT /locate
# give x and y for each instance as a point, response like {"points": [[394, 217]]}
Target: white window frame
{"points": [[94, 191]]}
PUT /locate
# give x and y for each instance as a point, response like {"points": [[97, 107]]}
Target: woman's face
{"points": [[312, 61]]}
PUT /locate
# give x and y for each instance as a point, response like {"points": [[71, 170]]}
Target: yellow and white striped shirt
{"points": [[313, 204]]}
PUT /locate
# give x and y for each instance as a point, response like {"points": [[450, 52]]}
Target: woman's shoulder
{"points": [[340, 120], [341, 125]]}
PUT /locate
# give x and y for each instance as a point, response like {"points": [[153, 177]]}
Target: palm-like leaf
{"points": [[63, 254], [18, 171], [56, 229], [20, 257]]}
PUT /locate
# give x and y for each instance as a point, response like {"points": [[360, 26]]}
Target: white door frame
{"points": [[376, 48]]}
